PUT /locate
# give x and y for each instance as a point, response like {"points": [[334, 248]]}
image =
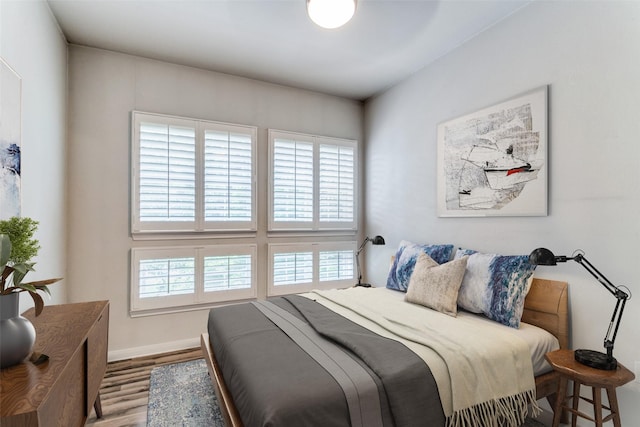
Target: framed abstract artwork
{"points": [[10, 141], [493, 162]]}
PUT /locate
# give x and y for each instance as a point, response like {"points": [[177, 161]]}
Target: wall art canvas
{"points": [[10, 141], [494, 162]]}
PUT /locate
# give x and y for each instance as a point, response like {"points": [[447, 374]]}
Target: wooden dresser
{"points": [[62, 390]]}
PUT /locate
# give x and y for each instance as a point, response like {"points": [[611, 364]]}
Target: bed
{"points": [[545, 306]]}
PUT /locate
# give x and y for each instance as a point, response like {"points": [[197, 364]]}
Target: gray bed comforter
{"points": [[274, 382]]}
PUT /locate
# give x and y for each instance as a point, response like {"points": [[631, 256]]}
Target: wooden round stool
{"points": [[564, 363]]}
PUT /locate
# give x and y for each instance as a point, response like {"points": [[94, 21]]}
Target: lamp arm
{"points": [[358, 266], [613, 289], [360, 249], [616, 317], [364, 243], [622, 297]]}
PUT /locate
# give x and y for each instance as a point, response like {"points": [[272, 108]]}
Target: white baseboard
{"points": [[148, 350]]}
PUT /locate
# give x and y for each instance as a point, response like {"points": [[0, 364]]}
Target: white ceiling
{"points": [[275, 41]]}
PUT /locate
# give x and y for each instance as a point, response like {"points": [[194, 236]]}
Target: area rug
{"points": [[182, 394]]}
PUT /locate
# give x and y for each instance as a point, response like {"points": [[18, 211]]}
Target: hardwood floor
{"points": [[125, 389]]}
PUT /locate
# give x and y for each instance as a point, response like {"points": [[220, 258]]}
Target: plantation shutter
{"points": [[313, 182], [192, 175], [166, 277], [336, 265], [184, 277], [228, 176], [337, 183], [292, 268], [292, 181], [223, 273], [167, 172], [305, 266]]}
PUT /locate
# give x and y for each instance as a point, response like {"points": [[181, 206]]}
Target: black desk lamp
{"points": [[595, 359], [378, 240]]}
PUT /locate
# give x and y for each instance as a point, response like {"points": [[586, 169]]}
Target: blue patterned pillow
{"points": [[405, 262], [495, 285]]}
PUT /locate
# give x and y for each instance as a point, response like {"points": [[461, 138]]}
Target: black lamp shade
{"points": [[542, 256], [378, 240]]}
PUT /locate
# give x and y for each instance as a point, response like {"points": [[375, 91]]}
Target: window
{"points": [[301, 267], [312, 182], [194, 193], [191, 276], [192, 175]]}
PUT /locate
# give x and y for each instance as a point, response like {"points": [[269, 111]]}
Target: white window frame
{"points": [[315, 248], [315, 224], [199, 299], [199, 225]]}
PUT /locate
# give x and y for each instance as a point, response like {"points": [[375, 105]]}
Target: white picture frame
{"points": [[493, 162], [10, 141]]}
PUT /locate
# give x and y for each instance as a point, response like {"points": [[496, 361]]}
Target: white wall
{"points": [[31, 43], [104, 88], [589, 55]]}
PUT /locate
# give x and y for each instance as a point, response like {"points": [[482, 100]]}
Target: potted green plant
{"points": [[17, 249]]}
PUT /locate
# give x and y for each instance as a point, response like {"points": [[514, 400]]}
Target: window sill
{"points": [[309, 233], [202, 235]]}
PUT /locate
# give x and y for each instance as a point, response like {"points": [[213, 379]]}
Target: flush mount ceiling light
{"points": [[331, 13]]}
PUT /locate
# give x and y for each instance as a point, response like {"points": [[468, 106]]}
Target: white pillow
{"points": [[473, 292]]}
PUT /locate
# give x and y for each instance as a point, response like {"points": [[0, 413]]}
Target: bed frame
{"points": [[546, 306]]}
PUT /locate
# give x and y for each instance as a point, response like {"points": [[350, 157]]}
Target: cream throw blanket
{"points": [[484, 374]]}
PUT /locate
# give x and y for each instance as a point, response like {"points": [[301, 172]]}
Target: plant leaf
{"points": [[6, 272], [24, 267], [5, 250], [39, 302], [21, 270], [46, 282], [18, 276], [27, 287], [44, 288]]}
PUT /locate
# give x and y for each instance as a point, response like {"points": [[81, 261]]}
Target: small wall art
{"points": [[10, 141], [494, 162]]}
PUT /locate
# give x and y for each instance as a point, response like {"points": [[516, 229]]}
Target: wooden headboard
{"points": [[547, 307]]}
